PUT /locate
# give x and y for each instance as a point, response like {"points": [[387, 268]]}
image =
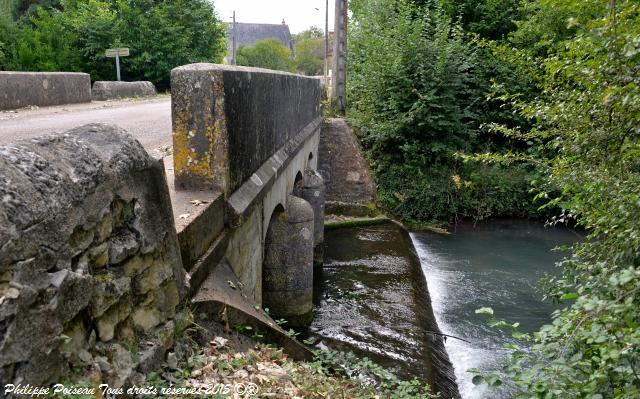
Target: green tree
{"points": [[268, 53], [491, 19], [45, 44], [73, 36], [588, 117], [417, 93], [309, 52], [160, 34]]}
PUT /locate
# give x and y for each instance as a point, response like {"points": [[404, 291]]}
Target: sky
{"points": [[298, 14]]}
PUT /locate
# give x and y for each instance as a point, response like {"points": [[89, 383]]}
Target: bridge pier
{"points": [[311, 189], [287, 271]]}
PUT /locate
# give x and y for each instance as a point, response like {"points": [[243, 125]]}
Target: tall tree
{"points": [[268, 53], [309, 52]]}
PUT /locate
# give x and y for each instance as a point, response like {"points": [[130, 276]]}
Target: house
{"points": [[248, 34]]}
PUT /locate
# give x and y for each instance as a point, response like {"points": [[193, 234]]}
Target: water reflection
{"points": [[495, 264]]}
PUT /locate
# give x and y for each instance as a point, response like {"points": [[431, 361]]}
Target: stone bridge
{"points": [[249, 139], [104, 248]]}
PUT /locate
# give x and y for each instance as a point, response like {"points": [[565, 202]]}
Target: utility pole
{"points": [[235, 35], [338, 89], [326, 45]]}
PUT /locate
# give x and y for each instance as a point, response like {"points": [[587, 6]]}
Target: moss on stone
{"points": [[332, 225]]}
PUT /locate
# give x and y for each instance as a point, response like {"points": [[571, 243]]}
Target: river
{"points": [[371, 296], [495, 264]]}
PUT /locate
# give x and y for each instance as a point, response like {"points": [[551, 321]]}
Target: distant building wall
{"points": [[23, 89], [248, 34]]}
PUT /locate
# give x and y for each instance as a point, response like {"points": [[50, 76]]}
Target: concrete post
{"points": [[287, 272], [338, 89], [311, 189]]}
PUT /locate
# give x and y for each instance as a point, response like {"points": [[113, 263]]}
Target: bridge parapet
{"points": [[228, 121]]}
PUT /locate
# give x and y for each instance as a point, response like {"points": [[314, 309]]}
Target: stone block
{"points": [[107, 323], [22, 89], [111, 90], [107, 293], [122, 246], [83, 214]]}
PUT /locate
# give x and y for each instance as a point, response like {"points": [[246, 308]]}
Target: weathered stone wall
{"points": [[89, 259], [228, 121], [251, 206], [350, 187], [110, 90], [22, 89]]}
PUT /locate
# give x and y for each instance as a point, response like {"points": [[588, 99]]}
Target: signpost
{"points": [[117, 53]]}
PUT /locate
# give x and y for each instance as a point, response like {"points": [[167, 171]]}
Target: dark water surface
{"points": [[495, 264], [372, 299]]}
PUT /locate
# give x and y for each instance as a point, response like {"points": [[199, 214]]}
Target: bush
{"points": [[268, 53], [73, 36], [417, 93], [588, 117], [309, 52]]}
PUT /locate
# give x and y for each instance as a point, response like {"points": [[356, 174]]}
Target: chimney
{"points": [[283, 23]]}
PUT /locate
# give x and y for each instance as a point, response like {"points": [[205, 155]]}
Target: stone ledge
{"points": [[111, 90], [22, 89], [253, 190], [199, 217]]}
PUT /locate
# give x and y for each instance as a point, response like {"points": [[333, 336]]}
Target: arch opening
{"points": [[310, 161], [298, 180]]}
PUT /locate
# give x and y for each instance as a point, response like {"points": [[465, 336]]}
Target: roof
{"points": [[248, 34]]}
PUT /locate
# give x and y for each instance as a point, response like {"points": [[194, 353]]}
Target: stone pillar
{"points": [[200, 139], [311, 189], [287, 272]]}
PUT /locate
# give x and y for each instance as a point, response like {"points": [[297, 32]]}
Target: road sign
{"points": [[117, 53]]}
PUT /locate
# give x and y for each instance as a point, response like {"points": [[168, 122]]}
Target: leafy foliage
{"points": [[588, 118], [417, 91], [73, 35], [268, 53], [491, 19], [309, 52]]}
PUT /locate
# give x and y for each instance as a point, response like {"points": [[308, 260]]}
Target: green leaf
{"points": [[569, 296]]}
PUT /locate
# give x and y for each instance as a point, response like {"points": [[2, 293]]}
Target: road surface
{"points": [[147, 120]]}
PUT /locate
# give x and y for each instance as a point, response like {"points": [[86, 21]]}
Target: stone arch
{"points": [[299, 180], [274, 214], [310, 161]]}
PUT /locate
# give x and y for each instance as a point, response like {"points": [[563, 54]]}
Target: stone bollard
{"points": [[287, 284], [311, 188]]}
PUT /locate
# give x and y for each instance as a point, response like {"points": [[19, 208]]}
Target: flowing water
{"points": [[372, 299], [495, 264]]}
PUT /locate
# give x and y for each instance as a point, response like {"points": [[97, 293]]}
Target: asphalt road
{"points": [[147, 120]]}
